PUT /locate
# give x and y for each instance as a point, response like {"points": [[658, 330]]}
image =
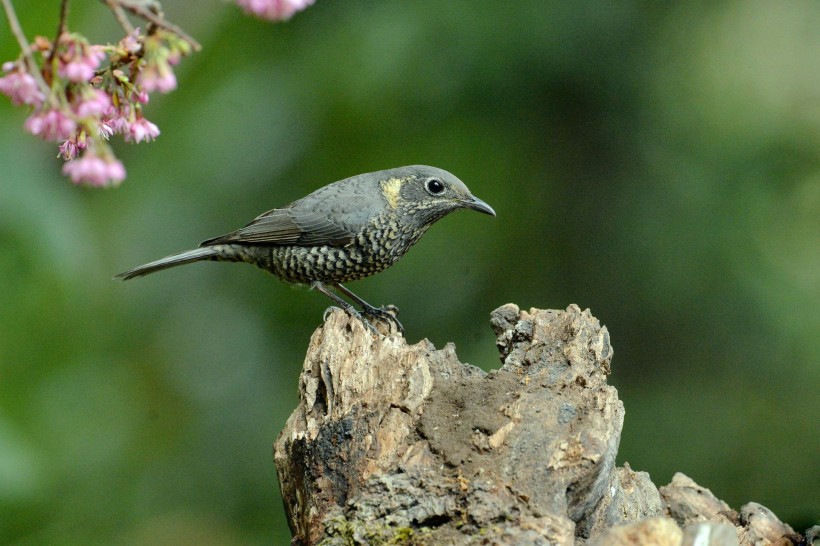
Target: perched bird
{"points": [[342, 232]]}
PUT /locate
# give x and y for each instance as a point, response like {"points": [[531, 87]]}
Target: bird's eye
{"points": [[435, 186]]}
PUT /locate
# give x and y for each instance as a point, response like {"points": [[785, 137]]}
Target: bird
{"points": [[342, 232]]}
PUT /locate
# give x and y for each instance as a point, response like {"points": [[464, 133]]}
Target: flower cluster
{"points": [[82, 94], [274, 10], [20, 86]]}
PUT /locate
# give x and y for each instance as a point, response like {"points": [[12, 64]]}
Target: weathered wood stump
{"points": [[403, 444]]}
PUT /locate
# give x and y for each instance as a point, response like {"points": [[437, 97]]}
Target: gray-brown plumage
{"points": [[342, 232]]}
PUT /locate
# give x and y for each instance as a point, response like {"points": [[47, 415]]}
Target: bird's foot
{"points": [[353, 313], [388, 314], [328, 311]]}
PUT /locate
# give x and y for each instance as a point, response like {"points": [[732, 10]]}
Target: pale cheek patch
{"points": [[390, 190]]}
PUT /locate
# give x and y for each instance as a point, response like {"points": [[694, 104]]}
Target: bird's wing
{"points": [[288, 226]]}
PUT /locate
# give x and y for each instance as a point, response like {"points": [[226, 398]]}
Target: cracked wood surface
{"points": [[403, 444]]}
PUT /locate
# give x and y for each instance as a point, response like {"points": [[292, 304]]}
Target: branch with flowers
{"points": [[82, 94]]}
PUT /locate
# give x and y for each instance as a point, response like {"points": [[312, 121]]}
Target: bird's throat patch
{"points": [[390, 190]]}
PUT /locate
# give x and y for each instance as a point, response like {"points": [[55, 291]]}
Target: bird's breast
{"points": [[374, 248]]}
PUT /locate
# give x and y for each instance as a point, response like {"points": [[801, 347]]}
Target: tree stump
{"points": [[403, 444]]}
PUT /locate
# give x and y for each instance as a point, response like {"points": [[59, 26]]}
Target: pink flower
{"points": [[80, 62], [105, 129], [274, 10], [141, 129], [50, 125], [21, 87], [131, 43], [94, 170], [157, 77], [93, 104], [116, 121], [77, 71], [68, 150], [141, 96]]}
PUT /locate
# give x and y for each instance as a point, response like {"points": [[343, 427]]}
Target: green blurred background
{"points": [[655, 162]]}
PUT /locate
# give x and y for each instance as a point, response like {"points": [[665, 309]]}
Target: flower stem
{"points": [[17, 30], [62, 27], [148, 10], [119, 15]]}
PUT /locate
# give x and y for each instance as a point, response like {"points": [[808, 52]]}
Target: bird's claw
{"points": [[353, 313], [388, 314], [328, 311]]}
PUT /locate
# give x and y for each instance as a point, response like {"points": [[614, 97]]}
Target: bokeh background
{"points": [[655, 162]]}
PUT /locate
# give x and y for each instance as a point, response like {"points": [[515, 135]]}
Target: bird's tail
{"points": [[195, 255]]}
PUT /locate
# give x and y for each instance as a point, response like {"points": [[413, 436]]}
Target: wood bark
{"points": [[403, 444]]}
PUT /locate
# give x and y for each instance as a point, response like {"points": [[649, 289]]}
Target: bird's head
{"points": [[426, 194]]}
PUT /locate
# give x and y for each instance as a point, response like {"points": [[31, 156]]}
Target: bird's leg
{"points": [[389, 313], [366, 307], [319, 287]]}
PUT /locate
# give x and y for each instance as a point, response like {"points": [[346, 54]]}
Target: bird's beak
{"points": [[477, 204]]}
